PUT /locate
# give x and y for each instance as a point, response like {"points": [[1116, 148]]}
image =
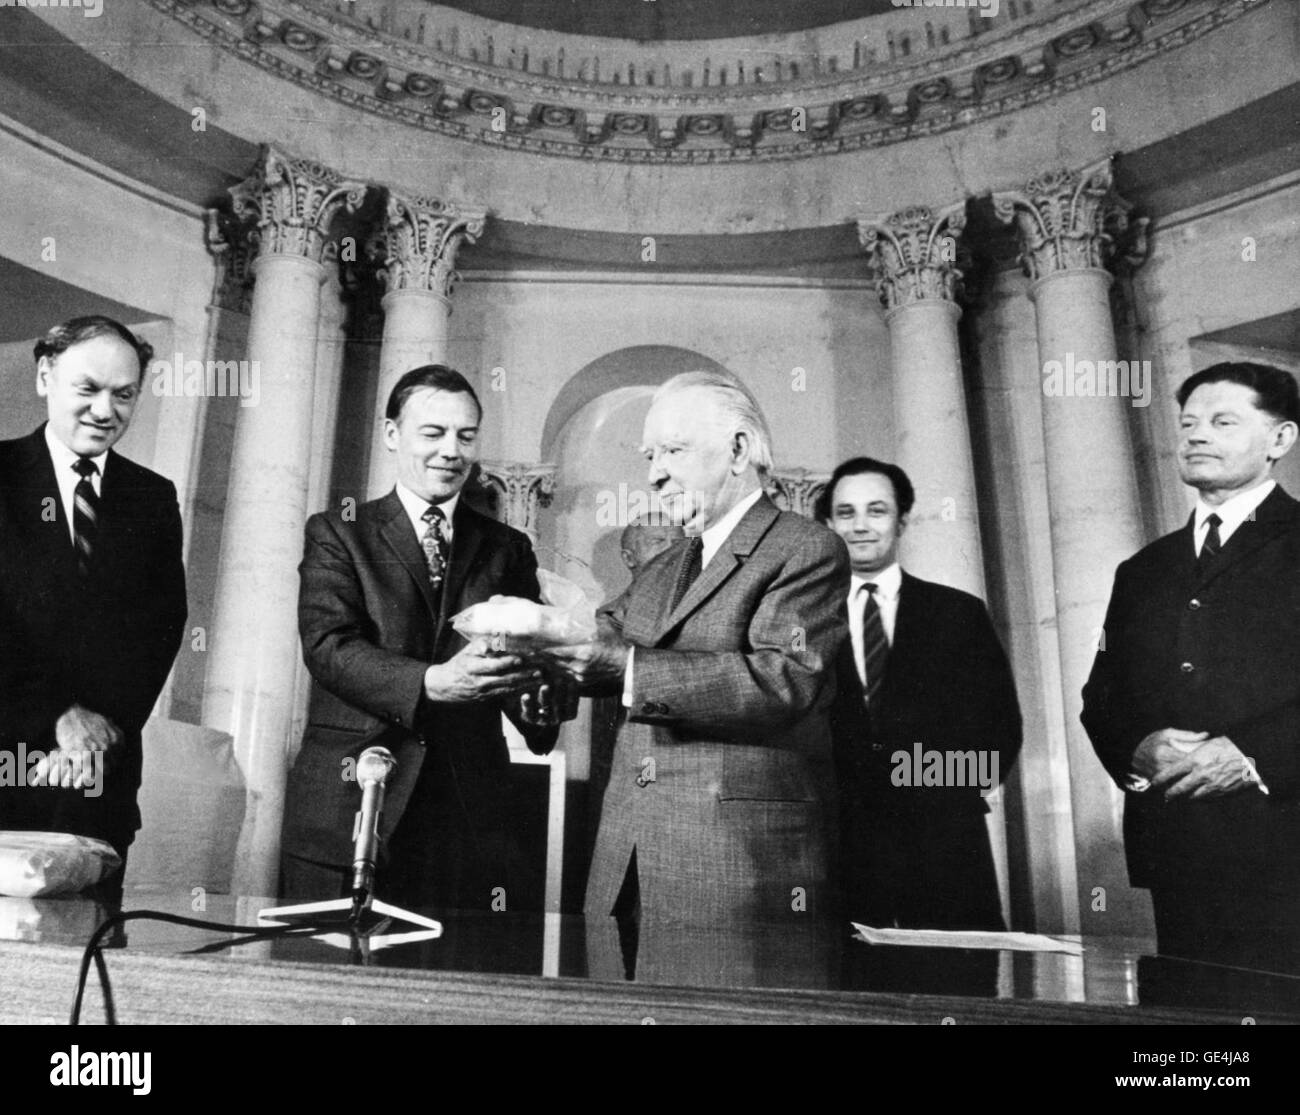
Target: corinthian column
{"points": [[915, 256], [1064, 221], [418, 244], [254, 640]]}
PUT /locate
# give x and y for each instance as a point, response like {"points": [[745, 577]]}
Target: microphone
{"points": [[373, 768]]}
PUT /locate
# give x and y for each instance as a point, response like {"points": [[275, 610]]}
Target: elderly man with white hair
{"points": [[720, 802]]}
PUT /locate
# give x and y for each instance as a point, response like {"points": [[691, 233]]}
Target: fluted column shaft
{"points": [[418, 245], [914, 254], [1062, 220], [254, 649]]}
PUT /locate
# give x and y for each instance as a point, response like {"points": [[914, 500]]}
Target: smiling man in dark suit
{"points": [[1193, 704], [923, 670], [378, 591], [92, 591]]}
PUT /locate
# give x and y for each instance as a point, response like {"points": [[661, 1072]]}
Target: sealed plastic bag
{"points": [[513, 625], [35, 863]]}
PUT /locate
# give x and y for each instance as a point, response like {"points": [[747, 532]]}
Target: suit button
{"points": [[877, 747], [1194, 604], [1187, 667], [648, 708], [663, 709]]}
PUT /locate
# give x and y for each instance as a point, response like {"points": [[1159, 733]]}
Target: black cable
{"points": [[93, 950]]}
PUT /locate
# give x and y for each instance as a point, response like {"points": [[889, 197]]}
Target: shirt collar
{"points": [[64, 458], [1236, 510], [416, 506], [713, 538], [888, 582]]}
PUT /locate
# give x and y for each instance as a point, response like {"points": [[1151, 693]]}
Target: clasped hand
{"points": [[80, 733], [1192, 765]]}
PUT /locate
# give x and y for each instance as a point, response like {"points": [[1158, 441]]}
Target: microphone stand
{"points": [[359, 923]]}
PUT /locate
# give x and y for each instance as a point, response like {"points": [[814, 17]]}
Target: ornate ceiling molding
{"points": [[826, 114]]}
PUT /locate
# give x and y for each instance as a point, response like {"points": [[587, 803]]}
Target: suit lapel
{"points": [[466, 540], [1272, 517], [396, 531], [38, 484], [731, 556]]}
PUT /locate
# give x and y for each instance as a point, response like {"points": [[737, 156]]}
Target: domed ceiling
{"points": [[661, 20]]}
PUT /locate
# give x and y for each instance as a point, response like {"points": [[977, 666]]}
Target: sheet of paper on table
{"points": [[969, 939]]}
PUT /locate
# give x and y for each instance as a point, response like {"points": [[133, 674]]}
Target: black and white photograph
{"points": [[650, 512]]}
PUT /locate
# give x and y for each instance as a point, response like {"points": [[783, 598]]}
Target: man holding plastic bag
{"points": [[380, 590]]}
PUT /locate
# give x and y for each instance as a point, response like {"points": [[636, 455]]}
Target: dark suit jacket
{"points": [[730, 695], [370, 627], [107, 645], [920, 854], [1219, 653]]}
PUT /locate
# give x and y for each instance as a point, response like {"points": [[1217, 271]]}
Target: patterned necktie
{"points": [[435, 546], [689, 570], [875, 645], [85, 514], [1212, 545]]}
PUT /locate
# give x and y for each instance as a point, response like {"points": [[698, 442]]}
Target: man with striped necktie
{"points": [[924, 675], [92, 592]]}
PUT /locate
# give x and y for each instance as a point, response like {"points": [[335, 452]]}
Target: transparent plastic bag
{"points": [[513, 625], [37, 863]]}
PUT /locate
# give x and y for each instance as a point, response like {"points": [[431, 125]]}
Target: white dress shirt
{"points": [[889, 583], [68, 478], [711, 540], [1232, 513], [416, 507]]}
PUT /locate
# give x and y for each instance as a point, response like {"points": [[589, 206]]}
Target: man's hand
{"points": [[79, 733], [599, 662], [1214, 769], [475, 674], [1164, 749], [555, 701]]}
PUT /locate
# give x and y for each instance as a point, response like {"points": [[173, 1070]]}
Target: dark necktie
{"points": [[689, 570], [435, 546], [85, 514], [1212, 545], [875, 645]]}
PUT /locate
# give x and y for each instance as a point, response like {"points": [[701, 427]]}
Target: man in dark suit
{"points": [[92, 592], [1193, 704], [925, 722], [719, 809], [378, 592]]}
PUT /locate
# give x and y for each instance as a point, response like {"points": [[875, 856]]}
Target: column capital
{"points": [[292, 202], [914, 253], [233, 246], [1071, 220], [796, 489], [419, 241], [522, 488]]}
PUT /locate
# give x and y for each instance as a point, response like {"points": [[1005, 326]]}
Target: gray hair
{"points": [[738, 409]]}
